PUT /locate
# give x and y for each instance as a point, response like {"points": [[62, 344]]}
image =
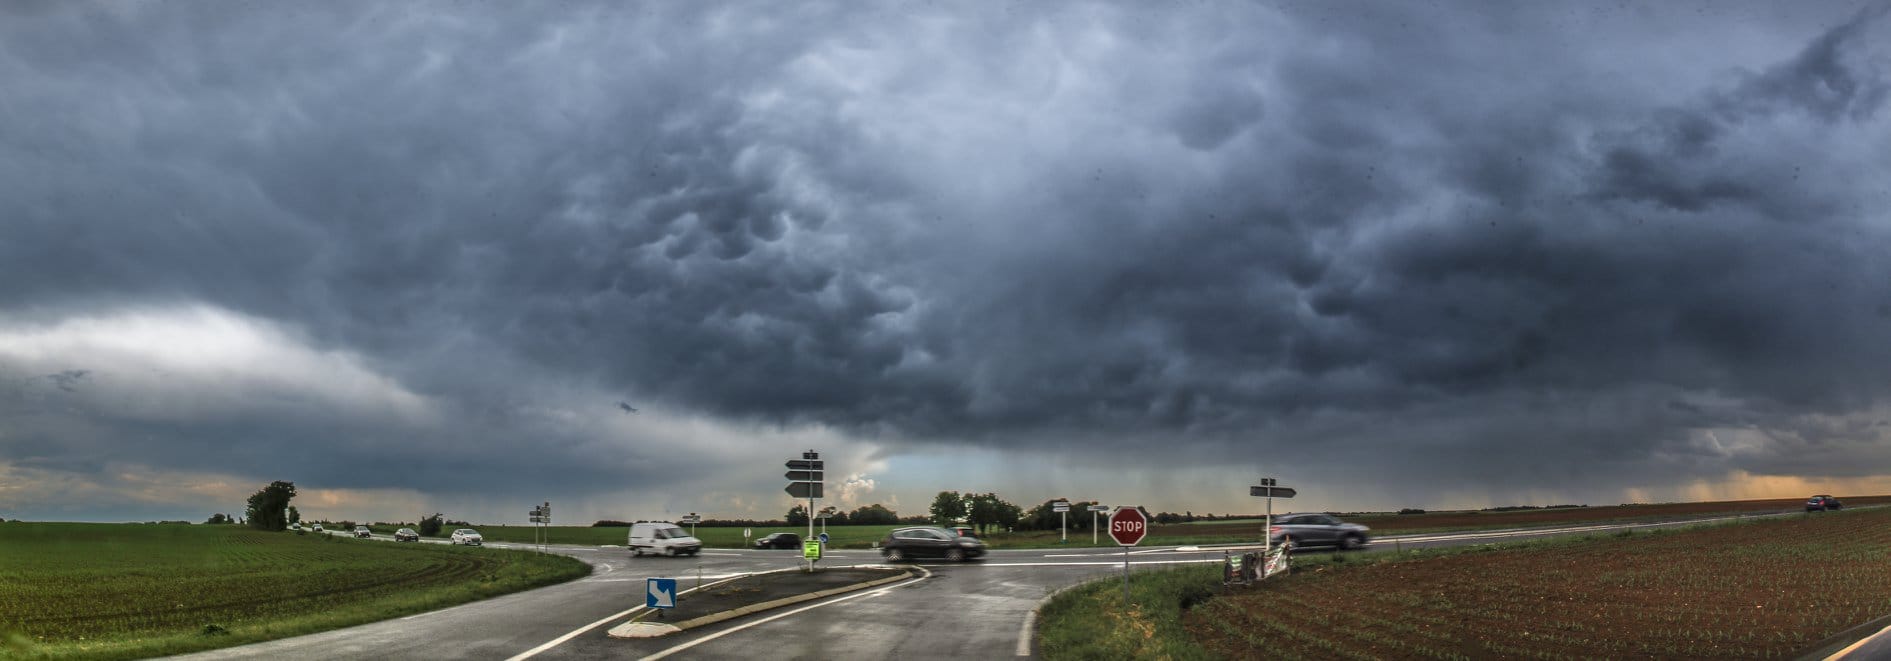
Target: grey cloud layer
{"points": [[1466, 239]]}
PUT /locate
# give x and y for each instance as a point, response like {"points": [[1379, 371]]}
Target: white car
{"points": [[661, 538], [469, 537], [318, 527]]}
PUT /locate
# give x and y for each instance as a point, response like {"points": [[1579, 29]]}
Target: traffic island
{"points": [[755, 593]]}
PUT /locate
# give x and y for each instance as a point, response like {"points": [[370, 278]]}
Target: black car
{"points": [[406, 535], [1317, 530], [780, 540], [929, 542], [1822, 503]]}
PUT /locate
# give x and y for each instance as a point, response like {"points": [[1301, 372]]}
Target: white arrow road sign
{"points": [[662, 593]]}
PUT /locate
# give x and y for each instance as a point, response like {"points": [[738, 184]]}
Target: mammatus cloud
{"points": [[434, 246]]}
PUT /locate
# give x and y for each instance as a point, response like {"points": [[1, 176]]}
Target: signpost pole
{"points": [[1063, 526], [1093, 527], [1125, 578], [1127, 527]]}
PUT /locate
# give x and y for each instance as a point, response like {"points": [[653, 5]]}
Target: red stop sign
{"points": [[1127, 526]]}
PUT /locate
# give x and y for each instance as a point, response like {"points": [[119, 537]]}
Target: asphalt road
{"points": [[981, 609]]}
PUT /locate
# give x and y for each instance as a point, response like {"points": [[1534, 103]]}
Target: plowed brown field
{"points": [[1382, 524], [1764, 589]]}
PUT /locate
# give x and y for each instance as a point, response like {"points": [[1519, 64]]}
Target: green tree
{"points": [[798, 515], [873, 515], [947, 508], [430, 525], [217, 518], [268, 507], [295, 517], [988, 510]]}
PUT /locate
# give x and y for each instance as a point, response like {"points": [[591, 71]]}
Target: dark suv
{"points": [[780, 540], [1822, 503], [1317, 530], [929, 542]]}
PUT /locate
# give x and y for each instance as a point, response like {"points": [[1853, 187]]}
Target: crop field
{"points": [[1760, 589], [129, 590], [1393, 524]]}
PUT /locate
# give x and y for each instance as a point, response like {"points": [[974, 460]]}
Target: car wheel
{"points": [[955, 555], [895, 555], [1352, 542], [669, 552]]}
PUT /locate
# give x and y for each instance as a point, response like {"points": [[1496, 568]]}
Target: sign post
{"points": [[1269, 490], [539, 517], [1127, 527], [1094, 511], [806, 480], [1062, 508]]}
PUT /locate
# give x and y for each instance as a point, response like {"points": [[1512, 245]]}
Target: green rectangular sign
{"points": [[811, 550]]}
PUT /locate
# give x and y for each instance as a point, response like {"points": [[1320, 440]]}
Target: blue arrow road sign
{"points": [[660, 593], [823, 538]]}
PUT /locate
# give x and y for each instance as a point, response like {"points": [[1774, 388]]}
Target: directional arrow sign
{"points": [[803, 476], [806, 465], [659, 593], [805, 490], [1099, 508], [1276, 492]]}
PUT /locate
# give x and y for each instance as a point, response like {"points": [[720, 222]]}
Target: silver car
{"points": [[1317, 530]]}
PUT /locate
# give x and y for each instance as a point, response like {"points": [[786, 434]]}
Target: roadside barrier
{"points": [[1249, 568]]}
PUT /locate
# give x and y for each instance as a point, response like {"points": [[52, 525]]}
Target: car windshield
{"points": [[669, 533]]}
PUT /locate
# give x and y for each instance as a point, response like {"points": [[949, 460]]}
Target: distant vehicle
{"points": [[661, 538], [469, 537], [1822, 503], [1317, 530], [318, 527], [929, 542], [780, 540], [298, 529], [406, 535], [362, 531]]}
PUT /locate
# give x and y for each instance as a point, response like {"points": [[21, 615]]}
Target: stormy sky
{"points": [[414, 256]]}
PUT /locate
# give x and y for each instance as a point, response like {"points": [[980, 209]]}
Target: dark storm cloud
{"points": [[1505, 242]]}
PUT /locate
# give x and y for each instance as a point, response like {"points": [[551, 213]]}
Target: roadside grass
{"points": [[119, 591], [1090, 621], [1740, 589]]}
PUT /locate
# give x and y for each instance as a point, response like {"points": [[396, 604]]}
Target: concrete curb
{"points": [[625, 630], [1837, 645], [1027, 639]]}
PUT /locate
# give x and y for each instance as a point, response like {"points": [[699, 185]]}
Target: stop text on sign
{"points": [[1127, 526]]}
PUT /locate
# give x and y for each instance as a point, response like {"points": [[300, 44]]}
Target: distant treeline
{"points": [[1514, 508]]}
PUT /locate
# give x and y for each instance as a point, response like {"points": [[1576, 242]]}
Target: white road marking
{"points": [[580, 630], [766, 620], [733, 554]]}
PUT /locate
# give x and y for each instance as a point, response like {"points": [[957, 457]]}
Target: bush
{"points": [[1411, 510]]}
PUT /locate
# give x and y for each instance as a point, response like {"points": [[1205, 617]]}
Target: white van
{"points": [[661, 538]]}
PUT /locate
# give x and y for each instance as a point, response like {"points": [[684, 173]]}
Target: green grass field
{"points": [[129, 590]]}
